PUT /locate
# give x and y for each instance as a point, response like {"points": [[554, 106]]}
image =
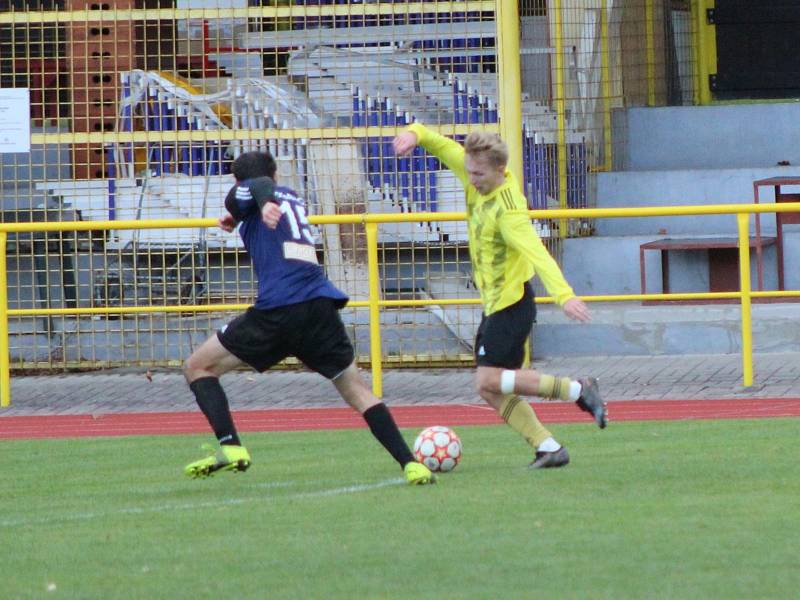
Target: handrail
{"points": [[113, 14], [371, 222], [418, 217]]}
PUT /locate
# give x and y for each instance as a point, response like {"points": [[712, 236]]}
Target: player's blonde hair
{"points": [[490, 145]]}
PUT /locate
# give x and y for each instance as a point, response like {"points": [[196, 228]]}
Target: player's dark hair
{"points": [[254, 164]]}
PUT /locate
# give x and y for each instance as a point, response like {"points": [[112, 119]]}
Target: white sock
{"points": [[575, 389], [549, 445]]}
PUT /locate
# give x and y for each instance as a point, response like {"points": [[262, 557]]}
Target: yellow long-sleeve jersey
{"points": [[504, 248]]}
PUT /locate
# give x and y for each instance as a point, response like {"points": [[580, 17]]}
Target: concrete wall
{"points": [[631, 329], [159, 338], [624, 189], [708, 137]]}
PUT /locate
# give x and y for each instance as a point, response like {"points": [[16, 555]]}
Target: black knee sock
{"points": [[385, 430], [214, 403]]}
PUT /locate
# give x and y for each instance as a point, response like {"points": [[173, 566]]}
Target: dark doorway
{"points": [[757, 52]]}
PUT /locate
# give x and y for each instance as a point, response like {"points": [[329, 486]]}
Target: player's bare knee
{"points": [[487, 381], [480, 385], [193, 369], [189, 372]]}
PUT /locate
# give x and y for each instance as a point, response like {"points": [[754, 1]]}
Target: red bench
{"points": [[723, 259], [781, 219]]}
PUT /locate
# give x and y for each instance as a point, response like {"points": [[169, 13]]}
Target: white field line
{"points": [[478, 406], [88, 516]]}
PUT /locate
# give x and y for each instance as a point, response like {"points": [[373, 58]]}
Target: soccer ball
{"points": [[438, 448]]}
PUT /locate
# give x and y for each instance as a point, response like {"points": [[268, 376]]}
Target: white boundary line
{"points": [[477, 406], [88, 516]]}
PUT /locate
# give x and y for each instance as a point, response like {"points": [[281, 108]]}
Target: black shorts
{"points": [[502, 338], [312, 331]]}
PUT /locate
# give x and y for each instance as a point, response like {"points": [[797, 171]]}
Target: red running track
{"points": [[62, 426]]}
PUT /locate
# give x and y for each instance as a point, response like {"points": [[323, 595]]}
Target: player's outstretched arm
{"points": [[447, 150], [576, 309], [405, 143], [226, 222]]}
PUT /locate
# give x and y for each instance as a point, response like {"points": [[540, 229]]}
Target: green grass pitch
{"points": [[690, 509]]}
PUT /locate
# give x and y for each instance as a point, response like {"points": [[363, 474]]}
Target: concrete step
{"points": [[161, 338], [627, 328], [624, 189], [707, 137]]}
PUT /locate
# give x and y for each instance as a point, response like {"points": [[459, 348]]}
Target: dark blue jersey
{"points": [[284, 258]]}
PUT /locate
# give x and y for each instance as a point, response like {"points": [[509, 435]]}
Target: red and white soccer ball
{"points": [[438, 448]]}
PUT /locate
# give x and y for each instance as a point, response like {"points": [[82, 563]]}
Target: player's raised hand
{"points": [[404, 143], [271, 214], [576, 309], [226, 222]]}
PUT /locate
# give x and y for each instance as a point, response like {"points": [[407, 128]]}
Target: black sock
{"points": [[385, 430], [213, 402]]}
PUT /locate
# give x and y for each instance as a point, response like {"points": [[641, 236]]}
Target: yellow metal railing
{"points": [[374, 303], [147, 14]]}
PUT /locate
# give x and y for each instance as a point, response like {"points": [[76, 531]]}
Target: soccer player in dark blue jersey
{"points": [[295, 313]]}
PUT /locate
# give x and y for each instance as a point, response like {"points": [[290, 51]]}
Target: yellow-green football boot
{"points": [[418, 474], [226, 458]]}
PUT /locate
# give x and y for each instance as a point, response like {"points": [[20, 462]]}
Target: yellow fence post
{"points": [[605, 80], [509, 74], [375, 355], [743, 221], [561, 112], [5, 375], [705, 51], [650, 40], [697, 52]]}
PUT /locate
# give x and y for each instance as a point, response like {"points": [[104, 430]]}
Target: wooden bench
{"points": [[723, 259]]}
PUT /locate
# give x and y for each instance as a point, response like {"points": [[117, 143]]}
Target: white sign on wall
{"points": [[15, 120]]}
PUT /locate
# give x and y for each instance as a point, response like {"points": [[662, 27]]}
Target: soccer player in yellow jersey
{"points": [[506, 253]]}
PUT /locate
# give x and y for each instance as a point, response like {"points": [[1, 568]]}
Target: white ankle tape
{"points": [[507, 379]]}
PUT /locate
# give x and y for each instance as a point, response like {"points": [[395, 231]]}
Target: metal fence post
{"points": [[509, 73], [561, 115], [375, 355], [743, 222], [605, 81], [649, 24], [5, 375]]}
